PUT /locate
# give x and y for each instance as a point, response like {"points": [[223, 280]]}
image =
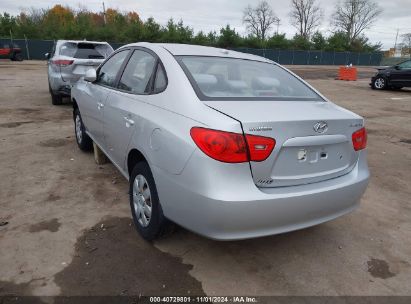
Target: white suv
{"points": [[69, 60]]}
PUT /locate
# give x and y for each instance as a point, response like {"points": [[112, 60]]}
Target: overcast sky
{"points": [[209, 15]]}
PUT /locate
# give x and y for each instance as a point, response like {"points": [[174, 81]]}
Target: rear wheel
{"points": [[379, 83], [145, 205], [56, 99], [18, 57], [83, 140]]}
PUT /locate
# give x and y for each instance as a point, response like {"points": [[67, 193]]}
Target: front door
{"points": [[401, 76]]}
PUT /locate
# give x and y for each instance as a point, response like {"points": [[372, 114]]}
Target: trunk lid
{"points": [[301, 155]]}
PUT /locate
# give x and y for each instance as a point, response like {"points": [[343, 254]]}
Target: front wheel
{"points": [[83, 140], [379, 83], [145, 205]]}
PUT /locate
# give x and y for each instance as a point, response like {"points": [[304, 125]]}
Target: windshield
{"points": [[218, 78], [86, 50]]}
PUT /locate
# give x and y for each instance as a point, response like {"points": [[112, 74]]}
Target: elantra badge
{"points": [[263, 128]]}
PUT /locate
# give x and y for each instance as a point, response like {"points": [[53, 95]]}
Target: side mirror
{"points": [[91, 75], [47, 55], [397, 67]]}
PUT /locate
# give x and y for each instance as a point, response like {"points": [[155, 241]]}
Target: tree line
{"points": [[350, 20]]}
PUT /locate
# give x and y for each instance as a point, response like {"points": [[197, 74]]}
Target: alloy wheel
{"points": [[379, 83], [142, 200], [79, 133]]}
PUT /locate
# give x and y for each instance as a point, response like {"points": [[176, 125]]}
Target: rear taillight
{"points": [[260, 147], [62, 62], [359, 139], [231, 147]]}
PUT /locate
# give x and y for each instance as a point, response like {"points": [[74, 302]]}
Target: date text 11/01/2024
{"points": [[204, 299]]}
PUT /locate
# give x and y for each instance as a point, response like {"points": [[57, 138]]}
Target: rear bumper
{"points": [[228, 207], [65, 90]]}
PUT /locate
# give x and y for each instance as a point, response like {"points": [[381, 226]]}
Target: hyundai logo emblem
{"points": [[321, 127]]}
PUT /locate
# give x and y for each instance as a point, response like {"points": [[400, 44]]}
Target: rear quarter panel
{"points": [[162, 130]]}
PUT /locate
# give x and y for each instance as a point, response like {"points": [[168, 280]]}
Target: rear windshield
{"points": [[86, 50], [218, 78]]}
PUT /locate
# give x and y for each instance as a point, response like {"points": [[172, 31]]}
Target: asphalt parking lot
{"points": [[67, 228]]}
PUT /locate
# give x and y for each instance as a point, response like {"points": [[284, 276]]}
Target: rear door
{"points": [[95, 94], [134, 84]]}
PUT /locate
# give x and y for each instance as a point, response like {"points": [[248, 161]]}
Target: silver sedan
{"points": [[226, 144]]}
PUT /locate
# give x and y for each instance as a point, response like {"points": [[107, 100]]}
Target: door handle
{"points": [[129, 122], [100, 105]]}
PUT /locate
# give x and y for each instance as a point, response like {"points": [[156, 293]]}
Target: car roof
{"points": [[198, 50]]}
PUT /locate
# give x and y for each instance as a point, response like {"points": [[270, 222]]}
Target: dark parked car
{"points": [[394, 77], [10, 51]]}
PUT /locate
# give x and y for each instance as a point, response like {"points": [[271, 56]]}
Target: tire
{"points": [[56, 99], [379, 83], [84, 142], [150, 222]]}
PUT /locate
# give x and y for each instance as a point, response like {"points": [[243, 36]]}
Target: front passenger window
{"points": [[137, 74], [108, 72], [406, 65]]}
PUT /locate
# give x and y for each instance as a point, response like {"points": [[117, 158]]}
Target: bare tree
{"points": [[306, 16], [354, 16], [406, 42], [259, 19]]}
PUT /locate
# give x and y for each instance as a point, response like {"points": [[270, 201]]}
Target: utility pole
{"points": [[395, 45], [104, 13], [278, 24], [397, 53]]}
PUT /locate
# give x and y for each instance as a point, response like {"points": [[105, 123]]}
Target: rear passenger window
{"points": [[138, 72], [160, 82], [108, 72], [85, 50]]}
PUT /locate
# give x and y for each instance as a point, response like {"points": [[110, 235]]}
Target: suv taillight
{"points": [[359, 139], [231, 147], [62, 62]]}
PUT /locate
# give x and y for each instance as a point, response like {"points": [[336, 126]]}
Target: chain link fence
{"points": [[35, 49]]}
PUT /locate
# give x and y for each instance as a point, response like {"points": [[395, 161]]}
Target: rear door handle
{"points": [[129, 122], [100, 105]]}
